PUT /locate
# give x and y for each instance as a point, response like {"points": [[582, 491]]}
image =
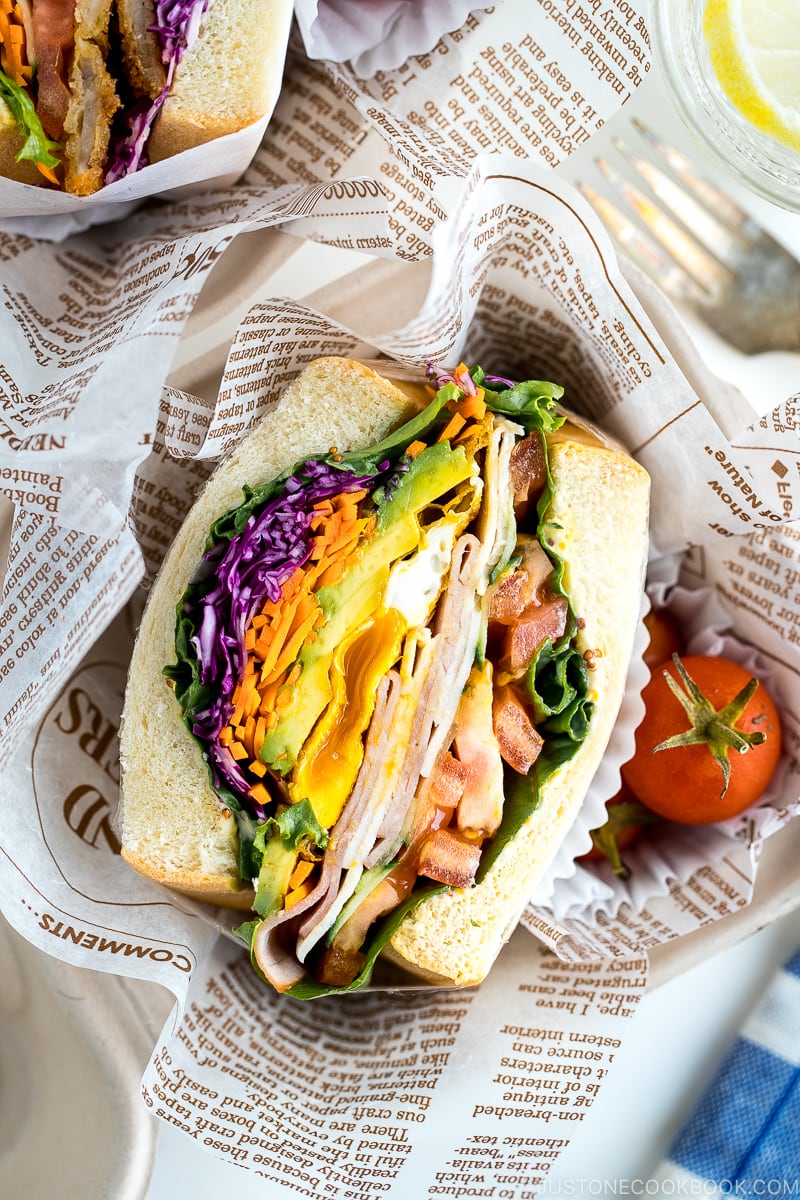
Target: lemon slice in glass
{"points": [[754, 47]]}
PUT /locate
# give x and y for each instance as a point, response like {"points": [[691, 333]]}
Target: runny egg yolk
{"points": [[332, 756]]}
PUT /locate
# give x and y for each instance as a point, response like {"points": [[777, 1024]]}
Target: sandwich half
{"points": [[93, 90], [379, 668]]}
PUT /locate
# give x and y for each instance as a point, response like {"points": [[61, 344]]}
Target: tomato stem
{"points": [[620, 816], [709, 726]]}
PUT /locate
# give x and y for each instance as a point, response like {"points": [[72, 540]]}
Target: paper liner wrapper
{"points": [[102, 463], [379, 36]]}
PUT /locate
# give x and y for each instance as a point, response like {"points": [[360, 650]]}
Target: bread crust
{"points": [[599, 519]]}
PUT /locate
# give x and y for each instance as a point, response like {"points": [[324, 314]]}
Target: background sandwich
{"points": [[92, 90], [394, 672]]}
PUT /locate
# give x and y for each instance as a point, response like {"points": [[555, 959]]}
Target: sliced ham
{"points": [[457, 626], [279, 965], [354, 833], [271, 940]]}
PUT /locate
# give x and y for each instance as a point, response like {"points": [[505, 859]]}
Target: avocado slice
{"points": [[273, 877], [350, 602], [434, 472]]}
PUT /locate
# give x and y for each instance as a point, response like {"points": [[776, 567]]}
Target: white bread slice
{"points": [[172, 825], [599, 526], [229, 78]]}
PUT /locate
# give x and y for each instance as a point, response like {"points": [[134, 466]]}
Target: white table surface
{"points": [[682, 1028]]}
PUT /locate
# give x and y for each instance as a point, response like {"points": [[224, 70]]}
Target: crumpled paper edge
{"points": [[379, 36]]}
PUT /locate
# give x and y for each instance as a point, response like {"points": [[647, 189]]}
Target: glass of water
{"points": [[763, 164]]}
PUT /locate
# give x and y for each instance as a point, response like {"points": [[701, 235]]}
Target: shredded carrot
{"points": [[268, 690], [13, 51], [473, 406], [49, 174], [298, 894], [453, 427], [332, 574], [295, 642], [276, 635], [300, 873], [415, 448], [260, 794]]}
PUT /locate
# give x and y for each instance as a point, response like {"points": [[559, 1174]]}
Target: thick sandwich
{"points": [[92, 90], [401, 643]]}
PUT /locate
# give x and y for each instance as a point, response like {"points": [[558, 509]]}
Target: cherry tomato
{"points": [[664, 639], [684, 766]]}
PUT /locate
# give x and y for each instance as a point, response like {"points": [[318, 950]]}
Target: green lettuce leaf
{"points": [[532, 403], [292, 825], [556, 677], [37, 147]]}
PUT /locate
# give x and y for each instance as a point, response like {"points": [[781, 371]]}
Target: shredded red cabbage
{"points": [[244, 572], [460, 378], [176, 24]]}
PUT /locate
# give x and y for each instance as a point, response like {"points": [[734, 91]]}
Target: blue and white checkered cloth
{"points": [[743, 1138]]}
